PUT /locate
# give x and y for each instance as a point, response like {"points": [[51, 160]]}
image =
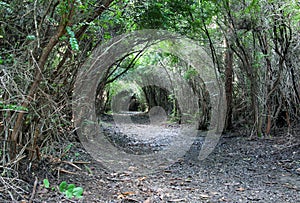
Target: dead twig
{"points": [[72, 164], [33, 190], [66, 171]]}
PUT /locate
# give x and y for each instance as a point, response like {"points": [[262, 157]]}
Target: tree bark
{"points": [[228, 84]]}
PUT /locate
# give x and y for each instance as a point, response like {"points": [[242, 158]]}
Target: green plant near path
{"points": [[46, 183], [70, 190]]}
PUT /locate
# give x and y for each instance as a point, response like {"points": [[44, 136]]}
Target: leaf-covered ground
{"points": [[238, 170]]}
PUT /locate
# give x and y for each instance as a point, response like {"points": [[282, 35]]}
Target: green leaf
{"points": [[69, 194], [77, 192], [63, 186], [62, 38], [70, 32], [46, 183], [74, 44], [107, 36], [68, 147], [70, 187], [13, 107], [30, 37], [190, 73], [72, 40]]}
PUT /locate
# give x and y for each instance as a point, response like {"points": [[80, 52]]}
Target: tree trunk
{"points": [[156, 96], [228, 85]]}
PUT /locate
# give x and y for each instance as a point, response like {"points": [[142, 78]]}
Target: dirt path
{"points": [[239, 170]]}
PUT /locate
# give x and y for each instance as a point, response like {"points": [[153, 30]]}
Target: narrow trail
{"points": [[140, 133], [265, 170]]}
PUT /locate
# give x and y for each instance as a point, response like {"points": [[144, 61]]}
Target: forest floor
{"points": [[238, 170]]}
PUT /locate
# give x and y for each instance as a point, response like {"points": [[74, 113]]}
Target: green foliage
{"points": [[190, 73], [258, 59], [153, 17], [30, 37], [253, 9], [82, 6], [120, 85], [155, 14], [46, 183], [174, 117], [5, 7], [72, 39], [63, 7], [68, 147], [12, 107], [77, 154], [70, 190], [292, 10], [7, 59]]}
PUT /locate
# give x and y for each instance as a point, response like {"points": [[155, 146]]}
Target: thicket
{"points": [[254, 46]]}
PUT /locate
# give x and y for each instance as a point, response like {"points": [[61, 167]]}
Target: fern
{"points": [[72, 40]]}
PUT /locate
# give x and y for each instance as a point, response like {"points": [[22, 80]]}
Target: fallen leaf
{"points": [[142, 178], [240, 189], [128, 193], [125, 194], [204, 196], [121, 196]]}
